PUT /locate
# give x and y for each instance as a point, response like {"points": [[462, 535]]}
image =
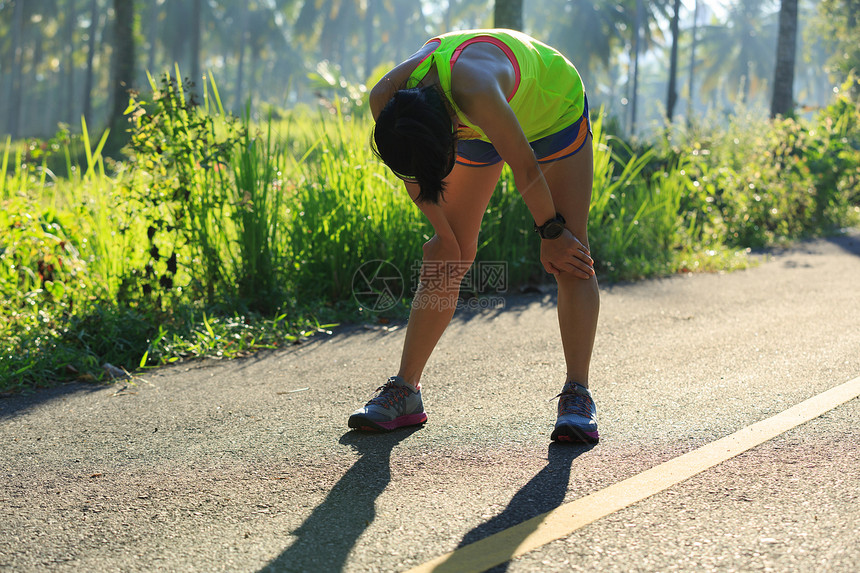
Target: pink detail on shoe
{"points": [[409, 420], [591, 437]]}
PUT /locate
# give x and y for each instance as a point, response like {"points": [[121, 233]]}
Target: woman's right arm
{"points": [[444, 245], [384, 90]]}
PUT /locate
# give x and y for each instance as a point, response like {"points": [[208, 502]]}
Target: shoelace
{"points": [[573, 403], [389, 394]]}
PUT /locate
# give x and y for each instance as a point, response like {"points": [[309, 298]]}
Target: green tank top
{"points": [[548, 93]]}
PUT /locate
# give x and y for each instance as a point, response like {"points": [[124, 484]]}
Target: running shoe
{"points": [[577, 415], [397, 404]]}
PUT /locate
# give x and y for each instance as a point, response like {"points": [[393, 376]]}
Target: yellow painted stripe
{"points": [[565, 519]]}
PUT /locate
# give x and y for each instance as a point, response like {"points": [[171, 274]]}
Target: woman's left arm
{"points": [[484, 103]]}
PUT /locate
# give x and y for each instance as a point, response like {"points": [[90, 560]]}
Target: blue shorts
{"points": [[559, 145]]}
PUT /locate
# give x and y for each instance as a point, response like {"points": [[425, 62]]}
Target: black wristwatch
{"points": [[552, 229]]}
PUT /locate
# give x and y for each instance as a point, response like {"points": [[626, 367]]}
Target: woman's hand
{"points": [[566, 254]]}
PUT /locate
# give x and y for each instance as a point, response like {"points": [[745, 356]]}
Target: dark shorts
{"points": [[559, 145]]}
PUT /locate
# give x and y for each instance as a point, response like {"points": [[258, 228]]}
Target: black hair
{"points": [[414, 136]]}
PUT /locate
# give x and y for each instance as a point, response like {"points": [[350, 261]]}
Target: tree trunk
{"points": [[91, 50], [177, 19], [240, 69], [152, 39], [782, 102], [692, 64], [69, 63], [508, 14], [123, 68], [196, 22], [672, 96], [123, 55], [14, 89], [637, 33]]}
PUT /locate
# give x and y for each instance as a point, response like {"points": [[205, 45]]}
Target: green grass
{"points": [[219, 237]]}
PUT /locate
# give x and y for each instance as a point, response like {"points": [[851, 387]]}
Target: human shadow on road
{"points": [[849, 242], [14, 405], [543, 493], [329, 533]]}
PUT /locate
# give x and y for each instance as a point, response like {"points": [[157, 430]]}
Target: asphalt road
{"points": [[248, 465]]}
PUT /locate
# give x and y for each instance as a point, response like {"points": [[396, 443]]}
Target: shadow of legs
{"points": [[541, 494], [329, 533]]}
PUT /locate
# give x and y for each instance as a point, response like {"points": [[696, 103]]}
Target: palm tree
{"points": [[196, 15], [782, 102], [738, 53], [692, 77], [14, 88], [589, 33], [123, 64], [69, 28], [91, 50], [646, 33], [672, 96], [328, 29], [597, 35]]}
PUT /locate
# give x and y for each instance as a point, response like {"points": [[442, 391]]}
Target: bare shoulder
{"points": [[483, 71]]}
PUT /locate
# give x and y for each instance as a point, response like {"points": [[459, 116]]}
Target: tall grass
{"points": [[346, 209], [219, 236]]}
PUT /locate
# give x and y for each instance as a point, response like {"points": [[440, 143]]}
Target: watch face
{"points": [[553, 230]]}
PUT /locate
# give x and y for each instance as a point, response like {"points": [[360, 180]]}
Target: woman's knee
{"points": [[570, 280], [449, 259]]}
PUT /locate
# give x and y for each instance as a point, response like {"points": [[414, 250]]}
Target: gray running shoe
{"points": [[577, 416], [396, 405]]}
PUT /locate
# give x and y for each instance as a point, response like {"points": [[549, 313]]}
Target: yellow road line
{"points": [[565, 519]]}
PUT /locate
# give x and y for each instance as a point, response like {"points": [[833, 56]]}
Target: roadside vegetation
{"points": [[218, 236]]}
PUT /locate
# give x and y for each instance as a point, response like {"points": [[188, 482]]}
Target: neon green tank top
{"points": [[548, 93]]}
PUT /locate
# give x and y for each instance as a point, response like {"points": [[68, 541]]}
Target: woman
{"points": [[446, 121]]}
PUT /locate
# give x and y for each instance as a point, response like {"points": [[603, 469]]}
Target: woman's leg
{"points": [[570, 182], [467, 194]]}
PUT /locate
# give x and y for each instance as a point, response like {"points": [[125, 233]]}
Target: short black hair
{"points": [[414, 136]]}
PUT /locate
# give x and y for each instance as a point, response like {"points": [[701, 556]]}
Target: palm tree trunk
{"points": [[508, 14], [692, 64], [637, 33], [123, 68], [152, 37], [68, 60], [672, 97], [240, 70], [782, 102], [91, 50], [196, 21], [14, 89]]}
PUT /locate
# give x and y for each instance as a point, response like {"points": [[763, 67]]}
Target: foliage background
{"points": [[236, 215], [57, 56]]}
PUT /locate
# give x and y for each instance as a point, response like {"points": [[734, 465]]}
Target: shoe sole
{"points": [[367, 425], [574, 435]]}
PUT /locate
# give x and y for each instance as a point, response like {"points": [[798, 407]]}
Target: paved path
{"points": [[248, 465]]}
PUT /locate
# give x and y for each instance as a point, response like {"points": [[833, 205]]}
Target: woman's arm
{"points": [[480, 94], [394, 80]]}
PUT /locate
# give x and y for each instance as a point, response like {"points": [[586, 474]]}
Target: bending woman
{"points": [[447, 119]]}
